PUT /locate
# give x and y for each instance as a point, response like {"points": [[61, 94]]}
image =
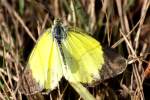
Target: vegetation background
{"points": [[120, 24]]}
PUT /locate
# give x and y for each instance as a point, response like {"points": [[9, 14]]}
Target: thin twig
{"points": [[143, 14], [11, 10]]}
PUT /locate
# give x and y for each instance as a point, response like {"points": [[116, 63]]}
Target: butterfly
{"points": [[64, 52], [71, 53]]}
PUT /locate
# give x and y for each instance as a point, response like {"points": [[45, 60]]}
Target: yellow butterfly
{"points": [[64, 52]]}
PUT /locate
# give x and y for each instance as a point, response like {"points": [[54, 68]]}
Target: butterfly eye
{"points": [[57, 21]]}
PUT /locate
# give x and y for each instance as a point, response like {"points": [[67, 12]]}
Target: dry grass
{"points": [[120, 24]]}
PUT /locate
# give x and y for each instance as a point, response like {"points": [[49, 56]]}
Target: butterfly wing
{"points": [[114, 65], [45, 62], [83, 55]]}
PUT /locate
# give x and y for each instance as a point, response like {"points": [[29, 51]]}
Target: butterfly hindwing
{"points": [[55, 64]]}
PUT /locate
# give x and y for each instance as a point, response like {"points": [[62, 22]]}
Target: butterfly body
{"points": [[58, 31]]}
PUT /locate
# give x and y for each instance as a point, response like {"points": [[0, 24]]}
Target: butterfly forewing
{"points": [[83, 55], [44, 68]]}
